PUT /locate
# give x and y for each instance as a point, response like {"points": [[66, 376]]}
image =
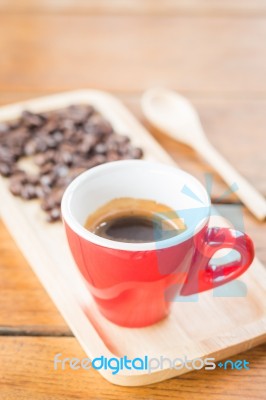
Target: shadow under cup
{"points": [[129, 281]]}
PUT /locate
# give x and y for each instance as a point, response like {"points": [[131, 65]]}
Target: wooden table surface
{"points": [[213, 52]]}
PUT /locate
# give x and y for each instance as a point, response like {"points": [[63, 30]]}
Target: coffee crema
{"points": [[135, 221]]}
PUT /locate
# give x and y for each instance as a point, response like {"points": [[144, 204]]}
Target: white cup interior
{"points": [[137, 179]]}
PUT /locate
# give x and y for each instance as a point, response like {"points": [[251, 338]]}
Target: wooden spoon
{"points": [[176, 116]]}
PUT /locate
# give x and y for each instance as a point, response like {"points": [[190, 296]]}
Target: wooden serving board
{"points": [[212, 326]]}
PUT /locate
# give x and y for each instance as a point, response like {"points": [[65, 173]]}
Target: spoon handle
{"points": [[253, 200]]}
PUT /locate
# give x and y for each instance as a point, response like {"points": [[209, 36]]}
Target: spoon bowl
{"points": [[174, 115]]}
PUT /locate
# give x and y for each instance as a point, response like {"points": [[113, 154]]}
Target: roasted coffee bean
{"points": [[3, 128], [40, 159], [17, 152], [99, 159], [120, 139], [98, 125], [113, 156], [41, 144], [28, 192], [66, 158], [112, 146], [17, 182], [54, 215], [64, 181], [67, 125], [32, 179], [48, 179], [64, 144], [20, 177], [14, 124], [18, 137], [39, 190], [42, 191], [100, 148], [58, 194], [79, 113], [124, 149], [31, 147], [7, 155], [31, 120], [61, 170], [76, 138], [46, 168], [51, 125], [136, 152], [93, 161], [68, 134], [74, 172], [53, 199], [88, 143], [47, 203], [6, 169], [50, 142], [58, 136], [43, 158], [16, 188]]}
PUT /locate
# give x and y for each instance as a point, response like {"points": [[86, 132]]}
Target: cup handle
{"points": [[202, 276]]}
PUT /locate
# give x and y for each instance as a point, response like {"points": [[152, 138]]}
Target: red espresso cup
{"points": [[133, 284]]}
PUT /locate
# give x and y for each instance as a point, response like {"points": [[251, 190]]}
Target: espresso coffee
{"points": [[135, 221]]}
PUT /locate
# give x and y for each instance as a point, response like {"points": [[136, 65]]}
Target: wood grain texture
{"points": [[26, 309], [227, 71], [208, 54], [229, 125], [150, 7], [34, 375], [17, 296], [228, 332]]}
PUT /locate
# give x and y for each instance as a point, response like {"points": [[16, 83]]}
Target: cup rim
{"points": [[81, 231]]}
